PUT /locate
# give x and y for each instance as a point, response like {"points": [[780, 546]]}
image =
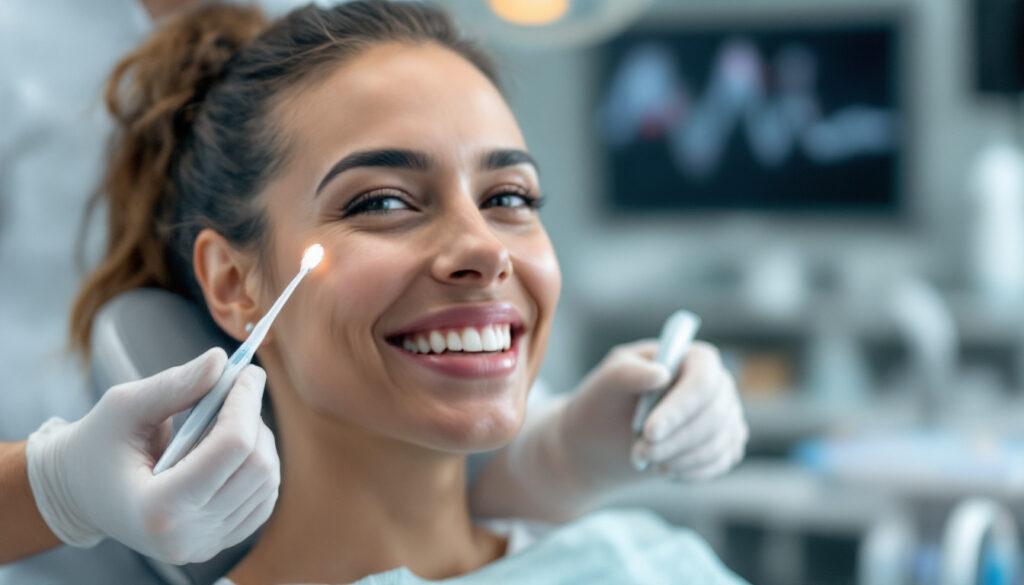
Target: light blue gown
{"points": [[612, 547]]}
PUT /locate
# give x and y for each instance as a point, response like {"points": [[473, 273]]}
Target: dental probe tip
{"points": [[313, 255]]}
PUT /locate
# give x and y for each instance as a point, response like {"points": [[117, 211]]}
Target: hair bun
{"points": [[153, 95], [168, 76]]}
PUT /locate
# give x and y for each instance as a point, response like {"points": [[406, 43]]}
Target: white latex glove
{"points": [[569, 457], [696, 431], [93, 478]]}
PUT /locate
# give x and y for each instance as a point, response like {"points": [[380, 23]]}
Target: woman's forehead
{"points": [[424, 97]]}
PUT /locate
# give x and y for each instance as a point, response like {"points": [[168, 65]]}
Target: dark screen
{"points": [[999, 46], [798, 119]]}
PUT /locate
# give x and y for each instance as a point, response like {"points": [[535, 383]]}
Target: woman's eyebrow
{"points": [[386, 157], [508, 157]]}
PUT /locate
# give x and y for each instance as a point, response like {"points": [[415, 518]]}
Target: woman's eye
{"points": [[375, 204], [512, 199]]}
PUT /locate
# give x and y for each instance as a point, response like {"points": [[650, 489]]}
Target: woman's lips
{"points": [[468, 364], [463, 341], [463, 316]]}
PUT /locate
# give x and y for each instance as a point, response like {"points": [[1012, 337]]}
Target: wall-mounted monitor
{"points": [[998, 27], [783, 117]]}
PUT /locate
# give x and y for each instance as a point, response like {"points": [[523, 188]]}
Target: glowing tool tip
{"points": [[314, 254]]}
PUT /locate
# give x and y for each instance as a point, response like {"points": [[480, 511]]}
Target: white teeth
{"points": [[489, 339], [437, 342], [471, 340], [454, 341]]}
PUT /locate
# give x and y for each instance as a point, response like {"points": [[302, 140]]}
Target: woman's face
{"points": [[408, 167]]}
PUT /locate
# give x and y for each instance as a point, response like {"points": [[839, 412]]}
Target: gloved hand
{"points": [[582, 446], [696, 431], [93, 478]]}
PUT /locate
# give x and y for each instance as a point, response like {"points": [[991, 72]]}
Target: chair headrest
{"points": [[142, 332], [147, 330]]}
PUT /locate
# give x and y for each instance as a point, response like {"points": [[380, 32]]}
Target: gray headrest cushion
{"points": [[145, 331]]}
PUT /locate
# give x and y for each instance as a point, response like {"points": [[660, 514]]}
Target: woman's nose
{"points": [[471, 254]]}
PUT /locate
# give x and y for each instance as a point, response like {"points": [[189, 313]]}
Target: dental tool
{"points": [[202, 415], [676, 336]]}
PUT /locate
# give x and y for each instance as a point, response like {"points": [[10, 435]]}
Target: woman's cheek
{"points": [[333, 317], [365, 276], [542, 278], [541, 273]]}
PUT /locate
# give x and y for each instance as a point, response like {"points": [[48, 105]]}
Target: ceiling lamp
{"points": [[530, 12], [546, 24]]}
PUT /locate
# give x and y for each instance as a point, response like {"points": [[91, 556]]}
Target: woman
{"points": [[373, 129]]}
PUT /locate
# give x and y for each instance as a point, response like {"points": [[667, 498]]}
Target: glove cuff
{"points": [[53, 498]]}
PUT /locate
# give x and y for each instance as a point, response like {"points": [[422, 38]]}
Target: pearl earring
{"points": [[248, 327]]}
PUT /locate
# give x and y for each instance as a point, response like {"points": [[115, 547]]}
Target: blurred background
{"points": [[836, 188]]}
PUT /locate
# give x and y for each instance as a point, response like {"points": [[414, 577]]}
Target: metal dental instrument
{"points": [[676, 336], [205, 411]]}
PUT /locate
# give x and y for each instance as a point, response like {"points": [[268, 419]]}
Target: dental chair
{"points": [[135, 335]]}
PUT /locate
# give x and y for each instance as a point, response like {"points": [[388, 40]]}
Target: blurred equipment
{"points": [[926, 322], [779, 526], [920, 464], [999, 46], [765, 373], [996, 188], [548, 24], [981, 545], [792, 115], [886, 554], [775, 281]]}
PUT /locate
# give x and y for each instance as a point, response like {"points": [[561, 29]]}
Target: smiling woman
{"points": [[375, 130]]}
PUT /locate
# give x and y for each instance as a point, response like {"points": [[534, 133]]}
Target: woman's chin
{"points": [[479, 431]]}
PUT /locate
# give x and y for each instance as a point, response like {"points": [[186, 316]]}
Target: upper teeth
{"points": [[468, 339]]}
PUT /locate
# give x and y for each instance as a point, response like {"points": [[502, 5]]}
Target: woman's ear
{"points": [[228, 284]]}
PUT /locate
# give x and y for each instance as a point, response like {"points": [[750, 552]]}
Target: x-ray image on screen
{"points": [[765, 119]]}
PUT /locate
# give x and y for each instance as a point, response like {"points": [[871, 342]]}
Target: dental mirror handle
{"points": [[677, 334], [200, 418], [202, 414]]}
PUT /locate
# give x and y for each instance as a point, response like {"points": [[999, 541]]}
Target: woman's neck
{"points": [[353, 503]]}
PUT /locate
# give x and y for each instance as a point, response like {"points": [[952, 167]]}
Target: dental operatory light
{"points": [[205, 411], [547, 24], [530, 12]]}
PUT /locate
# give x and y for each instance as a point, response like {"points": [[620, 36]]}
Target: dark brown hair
{"points": [[194, 141]]}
